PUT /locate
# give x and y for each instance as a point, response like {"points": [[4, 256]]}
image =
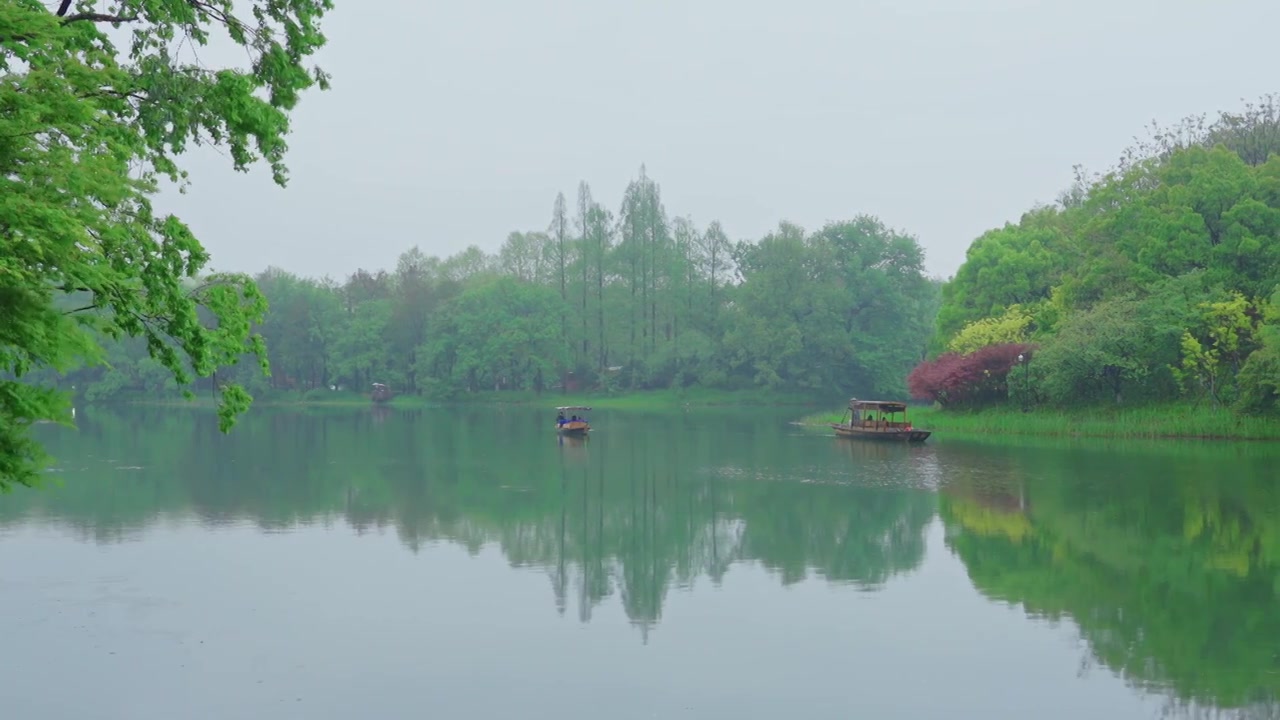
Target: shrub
{"points": [[972, 380]]}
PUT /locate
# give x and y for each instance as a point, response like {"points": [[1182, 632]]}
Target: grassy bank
{"points": [[643, 400], [1160, 421]]}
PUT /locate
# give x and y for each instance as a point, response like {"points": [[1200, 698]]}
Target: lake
{"points": [[708, 564]]}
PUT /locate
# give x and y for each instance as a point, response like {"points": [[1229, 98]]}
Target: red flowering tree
{"points": [[973, 380]]}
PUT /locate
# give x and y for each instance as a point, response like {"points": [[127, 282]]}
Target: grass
{"points": [[1156, 421]]}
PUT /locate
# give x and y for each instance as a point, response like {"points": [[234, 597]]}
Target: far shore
{"points": [[1165, 421], [637, 400]]}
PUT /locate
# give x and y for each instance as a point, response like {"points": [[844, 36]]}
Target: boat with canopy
{"points": [[878, 420], [569, 421]]}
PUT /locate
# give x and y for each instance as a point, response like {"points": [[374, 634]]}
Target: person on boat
{"points": [[560, 419]]}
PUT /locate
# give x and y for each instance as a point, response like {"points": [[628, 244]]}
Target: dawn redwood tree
{"points": [[583, 223], [87, 132], [559, 231]]}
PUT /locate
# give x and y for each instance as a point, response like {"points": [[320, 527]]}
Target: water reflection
{"points": [[1166, 556]]}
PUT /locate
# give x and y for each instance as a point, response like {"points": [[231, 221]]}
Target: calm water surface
{"points": [[700, 565]]}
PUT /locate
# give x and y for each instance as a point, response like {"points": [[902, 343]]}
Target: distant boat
{"points": [[381, 393], [877, 420], [572, 424]]}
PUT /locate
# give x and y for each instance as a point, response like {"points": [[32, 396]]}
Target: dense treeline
{"points": [[1159, 280], [632, 300], [1156, 281]]}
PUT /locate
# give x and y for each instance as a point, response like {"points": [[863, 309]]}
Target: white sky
{"points": [[452, 124]]}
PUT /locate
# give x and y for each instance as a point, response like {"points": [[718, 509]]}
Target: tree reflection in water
{"points": [[1165, 556]]}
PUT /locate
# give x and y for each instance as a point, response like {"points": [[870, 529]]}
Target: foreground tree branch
{"points": [[98, 17], [87, 134]]}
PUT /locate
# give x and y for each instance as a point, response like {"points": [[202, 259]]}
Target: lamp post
{"points": [[1023, 360]]}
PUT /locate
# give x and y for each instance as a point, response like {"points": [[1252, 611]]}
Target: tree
{"points": [[1014, 265], [559, 231], [468, 264], [1223, 340], [521, 256], [631, 233], [885, 308], [715, 257], [86, 135], [970, 380], [845, 308], [1259, 381], [1253, 134], [1098, 355], [684, 273], [1146, 282], [500, 332], [414, 296], [1011, 326], [784, 329], [583, 221], [600, 221], [302, 328]]}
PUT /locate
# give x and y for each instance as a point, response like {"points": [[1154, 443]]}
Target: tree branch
{"points": [[78, 17], [96, 17]]}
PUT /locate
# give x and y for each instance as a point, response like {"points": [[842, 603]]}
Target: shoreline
{"points": [[638, 400], [1153, 422], [1173, 421]]}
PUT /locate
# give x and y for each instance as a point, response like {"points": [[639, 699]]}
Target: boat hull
{"points": [[573, 428], [881, 434]]}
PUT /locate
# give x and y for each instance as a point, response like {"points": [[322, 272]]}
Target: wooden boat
{"points": [[572, 424], [877, 420]]}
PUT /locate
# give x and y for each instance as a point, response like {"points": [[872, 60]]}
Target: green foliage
{"points": [[1014, 265], [846, 308], [643, 303], [1014, 325], [86, 135], [1145, 283], [1259, 381], [503, 333], [1223, 339], [1096, 354]]}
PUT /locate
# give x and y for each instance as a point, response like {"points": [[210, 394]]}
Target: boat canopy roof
{"points": [[882, 405], [573, 407]]}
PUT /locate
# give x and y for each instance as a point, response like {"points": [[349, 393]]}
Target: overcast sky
{"points": [[454, 123]]}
